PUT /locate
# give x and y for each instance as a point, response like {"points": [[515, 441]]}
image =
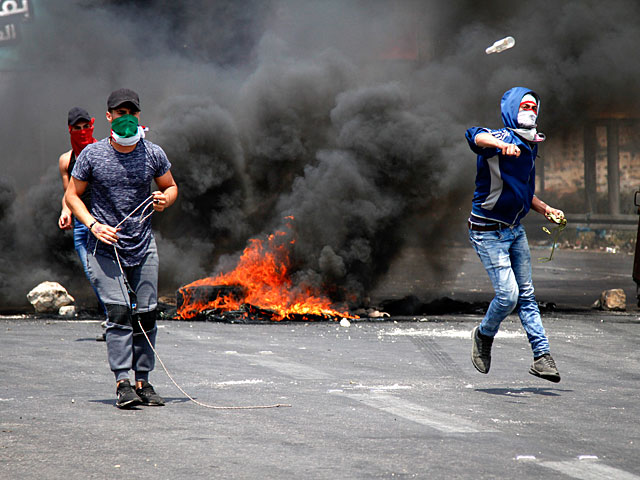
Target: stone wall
{"points": [[563, 157]]}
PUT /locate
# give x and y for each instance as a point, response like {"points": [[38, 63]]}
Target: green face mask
{"points": [[125, 126]]}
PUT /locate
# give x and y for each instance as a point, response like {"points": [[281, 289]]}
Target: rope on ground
{"points": [[143, 216], [214, 407]]}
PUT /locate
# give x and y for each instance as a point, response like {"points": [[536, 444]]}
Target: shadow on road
{"points": [[520, 392]]}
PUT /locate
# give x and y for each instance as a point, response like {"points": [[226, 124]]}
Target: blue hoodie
{"points": [[505, 184]]}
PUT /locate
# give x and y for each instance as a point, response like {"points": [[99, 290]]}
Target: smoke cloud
{"points": [[347, 116]]}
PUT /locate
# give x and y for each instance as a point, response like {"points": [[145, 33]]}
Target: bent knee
{"points": [[145, 321], [118, 315], [508, 299]]}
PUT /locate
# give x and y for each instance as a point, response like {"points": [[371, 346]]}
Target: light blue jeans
{"points": [[506, 258], [80, 238]]}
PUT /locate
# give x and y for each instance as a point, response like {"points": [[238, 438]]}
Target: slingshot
{"points": [[561, 224]]}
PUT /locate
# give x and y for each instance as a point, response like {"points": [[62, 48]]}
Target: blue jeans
{"points": [[80, 238], [506, 258]]}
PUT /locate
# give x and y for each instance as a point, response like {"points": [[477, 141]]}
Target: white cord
{"points": [[248, 407], [141, 219], [150, 197]]}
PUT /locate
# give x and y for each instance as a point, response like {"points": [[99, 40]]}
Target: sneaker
{"points": [[481, 351], [148, 395], [544, 367], [127, 396], [101, 338]]}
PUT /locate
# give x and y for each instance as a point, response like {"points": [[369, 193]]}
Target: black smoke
{"points": [[348, 116]]}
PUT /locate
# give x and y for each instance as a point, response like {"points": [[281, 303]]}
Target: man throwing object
{"points": [[505, 185]]}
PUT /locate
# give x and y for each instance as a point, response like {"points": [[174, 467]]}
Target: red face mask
{"points": [[81, 138]]}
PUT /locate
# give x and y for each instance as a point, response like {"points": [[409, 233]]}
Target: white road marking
{"points": [[378, 388], [589, 470], [444, 422], [239, 382], [442, 333], [291, 369]]}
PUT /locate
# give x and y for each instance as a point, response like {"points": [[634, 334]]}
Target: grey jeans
{"points": [[127, 346]]}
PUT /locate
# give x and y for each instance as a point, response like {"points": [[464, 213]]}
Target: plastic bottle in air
{"points": [[501, 45]]}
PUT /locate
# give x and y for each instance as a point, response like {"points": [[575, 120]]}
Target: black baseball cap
{"points": [[76, 114], [122, 96]]}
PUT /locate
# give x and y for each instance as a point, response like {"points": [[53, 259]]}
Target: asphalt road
{"points": [[379, 399], [572, 280], [372, 400]]}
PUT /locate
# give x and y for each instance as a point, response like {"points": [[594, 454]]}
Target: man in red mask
{"points": [[81, 132]]}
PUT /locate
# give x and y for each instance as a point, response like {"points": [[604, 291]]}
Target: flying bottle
{"points": [[501, 45]]}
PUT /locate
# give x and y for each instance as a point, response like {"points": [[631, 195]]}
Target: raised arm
{"points": [[486, 140]]}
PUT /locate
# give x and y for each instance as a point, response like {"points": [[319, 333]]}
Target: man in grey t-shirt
{"points": [[122, 254]]}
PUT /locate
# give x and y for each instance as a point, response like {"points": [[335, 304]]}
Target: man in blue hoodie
{"points": [[505, 185]]}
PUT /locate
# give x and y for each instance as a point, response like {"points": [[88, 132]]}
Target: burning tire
{"points": [[193, 299]]}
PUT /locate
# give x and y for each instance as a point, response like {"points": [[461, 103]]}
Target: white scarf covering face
{"points": [[527, 119], [128, 141], [527, 122], [530, 134]]}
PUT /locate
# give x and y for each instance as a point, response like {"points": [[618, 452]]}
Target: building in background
{"points": [[595, 169]]}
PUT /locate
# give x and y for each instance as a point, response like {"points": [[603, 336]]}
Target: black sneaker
{"points": [[481, 351], [149, 396], [127, 396], [544, 367]]}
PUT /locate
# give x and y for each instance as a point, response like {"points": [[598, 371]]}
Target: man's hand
{"points": [[509, 149], [486, 140], [159, 201], [105, 233], [554, 215], [65, 221]]}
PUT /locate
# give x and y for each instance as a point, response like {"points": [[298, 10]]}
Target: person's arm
{"points": [[167, 194], [486, 140], [102, 232], [552, 214], [64, 221]]}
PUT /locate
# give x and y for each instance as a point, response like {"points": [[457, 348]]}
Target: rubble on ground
{"points": [[612, 300], [48, 297]]}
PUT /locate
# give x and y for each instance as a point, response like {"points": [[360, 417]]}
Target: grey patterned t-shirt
{"points": [[119, 183]]}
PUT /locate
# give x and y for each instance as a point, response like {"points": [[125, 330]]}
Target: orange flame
{"points": [[263, 275]]}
